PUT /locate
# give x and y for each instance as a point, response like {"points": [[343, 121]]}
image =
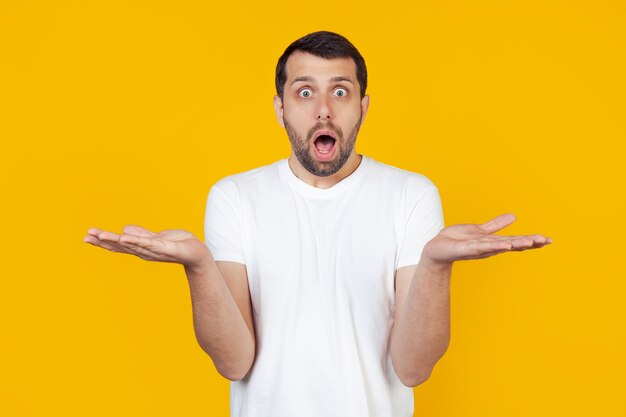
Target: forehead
{"points": [[302, 64]]}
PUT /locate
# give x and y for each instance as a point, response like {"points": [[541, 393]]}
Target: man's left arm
{"points": [[421, 330]]}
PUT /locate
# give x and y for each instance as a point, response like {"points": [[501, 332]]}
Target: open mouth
{"points": [[324, 144]]}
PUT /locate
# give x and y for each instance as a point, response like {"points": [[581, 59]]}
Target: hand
{"points": [[474, 241], [178, 246]]}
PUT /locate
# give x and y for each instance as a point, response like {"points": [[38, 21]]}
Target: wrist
{"points": [[432, 260], [434, 266], [199, 265]]}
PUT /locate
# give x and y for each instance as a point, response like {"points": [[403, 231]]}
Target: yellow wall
{"points": [[121, 112]]}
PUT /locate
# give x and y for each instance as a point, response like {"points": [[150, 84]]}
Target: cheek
{"points": [[295, 115], [350, 117]]}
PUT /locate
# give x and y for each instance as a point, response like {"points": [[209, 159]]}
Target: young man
{"points": [[323, 286]]}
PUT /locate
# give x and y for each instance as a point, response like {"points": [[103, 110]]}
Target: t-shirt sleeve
{"points": [[424, 222], [222, 232]]}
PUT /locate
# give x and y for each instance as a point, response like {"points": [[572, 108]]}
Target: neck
{"points": [[348, 168]]}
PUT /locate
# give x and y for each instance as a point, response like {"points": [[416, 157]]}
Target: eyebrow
{"points": [[308, 78]]}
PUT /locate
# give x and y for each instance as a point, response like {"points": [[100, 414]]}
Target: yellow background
{"points": [[127, 112]]}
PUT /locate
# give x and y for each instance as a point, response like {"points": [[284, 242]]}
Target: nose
{"points": [[323, 110]]}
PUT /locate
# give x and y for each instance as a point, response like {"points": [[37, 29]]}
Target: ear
{"points": [[278, 108], [365, 103]]}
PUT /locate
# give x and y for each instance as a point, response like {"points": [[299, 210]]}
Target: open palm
{"points": [[475, 241], [178, 246]]}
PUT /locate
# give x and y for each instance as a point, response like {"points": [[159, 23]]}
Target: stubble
{"points": [[302, 148]]}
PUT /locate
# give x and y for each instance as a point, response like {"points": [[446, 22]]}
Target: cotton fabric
{"points": [[321, 265]]}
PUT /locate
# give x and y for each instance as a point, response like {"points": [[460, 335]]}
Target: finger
{"points": [[149, 254], [482, 249], [537, 246], [498, 223], [103, 244], [140, 252], [491, 238], [94, 231], [531, 242], [145, 242], [522, 243], [132, 229], [108, 236], [119, 247], [486, 248], [535, 238], [138, 240]]}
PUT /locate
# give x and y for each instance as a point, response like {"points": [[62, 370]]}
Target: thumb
{"points": [[135, 230], [498, 223]]}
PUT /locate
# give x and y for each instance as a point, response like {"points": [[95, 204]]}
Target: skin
{"points": [[421, 331], [327, 104]]}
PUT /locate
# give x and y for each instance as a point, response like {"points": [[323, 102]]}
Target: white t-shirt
{"points": [[321, 265]]}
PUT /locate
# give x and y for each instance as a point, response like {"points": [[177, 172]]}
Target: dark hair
{"points": [[325, 45]]}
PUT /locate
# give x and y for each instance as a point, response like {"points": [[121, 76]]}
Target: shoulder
{"points": [[411, 185], [234, 184]]}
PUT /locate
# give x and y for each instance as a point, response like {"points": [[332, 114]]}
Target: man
{"points": [[323, 286]]}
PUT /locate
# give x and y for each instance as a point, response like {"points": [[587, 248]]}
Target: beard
{"points": [[302, 148]]}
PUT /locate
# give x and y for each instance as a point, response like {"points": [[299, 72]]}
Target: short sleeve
{"points": [[222, 233], [424, 222]]}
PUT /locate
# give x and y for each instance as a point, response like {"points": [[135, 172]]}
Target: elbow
{"points": [[412, 376], [234, 376], [418, 375], [236, 372], [236, 365], [232, 367], [415, 379]]}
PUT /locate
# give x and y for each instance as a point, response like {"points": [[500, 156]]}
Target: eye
{"points": [[305, 93], [341, 92]]}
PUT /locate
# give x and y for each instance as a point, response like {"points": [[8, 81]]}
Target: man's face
{"points": [[321, 111]]}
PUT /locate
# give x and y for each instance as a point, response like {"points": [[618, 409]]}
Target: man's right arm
{"points": [[222, 315], [222, 312]]}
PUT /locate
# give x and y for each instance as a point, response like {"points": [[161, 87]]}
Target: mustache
{"points": [[326, 126]]}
